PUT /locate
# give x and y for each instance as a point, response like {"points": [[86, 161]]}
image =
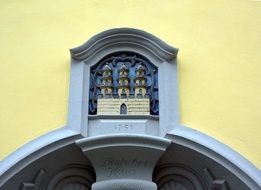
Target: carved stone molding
{"points": [[180, 177], [171, 185], [123, 161], [74, 177], [127, 36], [37, 182], [34, 150], [223, 162], [215, 184], [75, 186], [111, 46]]}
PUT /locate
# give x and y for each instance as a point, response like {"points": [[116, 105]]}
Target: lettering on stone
{"points": [[123, 167], [123, 127], [123, 172]]}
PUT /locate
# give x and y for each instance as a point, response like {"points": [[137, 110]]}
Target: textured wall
{"points": [[219, 62]]}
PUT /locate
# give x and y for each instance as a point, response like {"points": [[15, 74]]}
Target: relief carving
{"points": [[123, 167], [73, 177], [75, 186], [37, 182], [180, 177], [215, 184], [124, 84]]}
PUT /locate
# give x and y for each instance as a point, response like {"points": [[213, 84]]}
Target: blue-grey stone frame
{"points": [[124, 40]]}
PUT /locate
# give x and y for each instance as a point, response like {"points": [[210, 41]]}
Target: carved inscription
{"points": [[123, 167], [123, 127]]}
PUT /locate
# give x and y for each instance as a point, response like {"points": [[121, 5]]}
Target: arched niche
{"points": [[131, 41]]}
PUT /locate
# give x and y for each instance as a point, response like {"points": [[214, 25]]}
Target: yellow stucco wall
{"points": [[219, 62]]}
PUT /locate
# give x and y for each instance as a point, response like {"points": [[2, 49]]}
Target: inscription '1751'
{"points": [[123, 127]]}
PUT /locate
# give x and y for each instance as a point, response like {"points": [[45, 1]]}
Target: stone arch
{"points": [[189, 163]]}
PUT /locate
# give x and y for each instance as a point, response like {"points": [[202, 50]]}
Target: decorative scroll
{"points": [[131, 61]]}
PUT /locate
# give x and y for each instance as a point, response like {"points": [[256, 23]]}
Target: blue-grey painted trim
{"points": [[184, 136], [168, 97], [78, 97], [124, 35], [219, 152], [152, 117], [114, 42], [35, 149], [123, 139]]}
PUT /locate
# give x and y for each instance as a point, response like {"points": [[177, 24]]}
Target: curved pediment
{"points": [[126, 36]]}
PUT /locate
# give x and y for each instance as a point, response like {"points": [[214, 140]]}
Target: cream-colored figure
{"points": [[106, 81], [123, 81], [123, 103], [140, 81]]}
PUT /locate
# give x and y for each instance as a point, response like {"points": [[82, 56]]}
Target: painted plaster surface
{"points": [[219, 63]]}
